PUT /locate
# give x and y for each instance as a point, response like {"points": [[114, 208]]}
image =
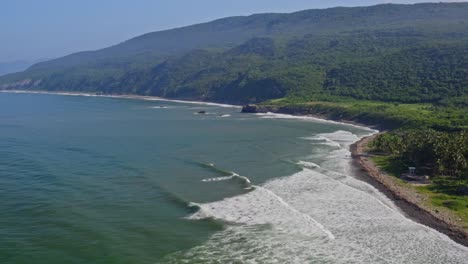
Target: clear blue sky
{"points": [[35, 29]]}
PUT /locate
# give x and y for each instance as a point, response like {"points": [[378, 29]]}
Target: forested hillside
{"points": [[394, 53], [402, 68]]}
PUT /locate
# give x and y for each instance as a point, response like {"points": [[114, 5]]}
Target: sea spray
{"points": [[81, 148], [358, 223], [231, 175]]}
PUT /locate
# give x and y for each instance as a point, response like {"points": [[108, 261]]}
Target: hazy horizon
{"points": [[57, 29]]}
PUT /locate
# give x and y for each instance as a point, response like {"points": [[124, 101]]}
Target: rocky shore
{"points": [[414, 205]]}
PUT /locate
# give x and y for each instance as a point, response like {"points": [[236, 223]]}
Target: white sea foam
{"points": [[310, 217], [339, 160], [234, 175], [308, 164], [192, 204], [260, 207], [318, 215], [216, 179], [164, 107], [270, 115], [191, 102], [323, 141], [345, 138]]}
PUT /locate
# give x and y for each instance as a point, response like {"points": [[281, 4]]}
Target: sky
{"points": [[39, 29]]}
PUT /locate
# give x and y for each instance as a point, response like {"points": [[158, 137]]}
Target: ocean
{"points": [[87, 179]]}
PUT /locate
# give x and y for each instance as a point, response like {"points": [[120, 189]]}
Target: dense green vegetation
{"points": [[232, 31], [390, 53], [384, 115], [443, 193], [432, 152], [353, 66], [441, 155], [395, 66], [420, 74]]}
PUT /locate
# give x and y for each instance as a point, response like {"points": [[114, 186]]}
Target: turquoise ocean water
{"points": [[88, 179]]}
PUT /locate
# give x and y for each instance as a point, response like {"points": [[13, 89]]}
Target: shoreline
{"points": [[405, 199], [316, 117], [409, 201], [121, 96], [320, 118], [293, 111]]}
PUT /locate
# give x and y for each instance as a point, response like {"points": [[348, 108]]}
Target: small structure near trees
{"points": [[411, 177]]}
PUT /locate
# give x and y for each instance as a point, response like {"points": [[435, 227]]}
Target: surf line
{"points": [[227, 176], [308, 217], [243, 179], [324, 171], [246, 181]]}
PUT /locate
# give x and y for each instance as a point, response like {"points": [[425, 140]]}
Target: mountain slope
{"points": [[319, 53]]}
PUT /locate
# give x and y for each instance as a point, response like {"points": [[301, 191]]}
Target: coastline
{"points": [[409, 201], [317, 117], [324, 119], [295, 111], [121, 96]]}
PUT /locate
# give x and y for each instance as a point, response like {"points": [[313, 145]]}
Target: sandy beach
{"points": [[411, 203]]}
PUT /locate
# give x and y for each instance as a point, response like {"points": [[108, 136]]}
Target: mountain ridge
{"points": [[314, 13], [237, 59]]}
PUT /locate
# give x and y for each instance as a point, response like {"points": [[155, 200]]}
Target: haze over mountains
{"points": [[401, 53], [16, 66]]}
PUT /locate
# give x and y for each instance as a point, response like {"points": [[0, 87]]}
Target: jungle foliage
{"points": [[389, 53], [432, 152]]}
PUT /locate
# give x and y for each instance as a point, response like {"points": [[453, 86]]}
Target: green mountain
{"points": [[397, 53]]}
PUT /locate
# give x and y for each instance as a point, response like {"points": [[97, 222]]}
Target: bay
{"points": [[87, 179]]}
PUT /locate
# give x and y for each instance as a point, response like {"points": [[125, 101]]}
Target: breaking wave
{"points": [[321, 214], [234, 176], [323, 141]]}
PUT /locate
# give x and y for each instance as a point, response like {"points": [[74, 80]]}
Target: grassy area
{"points": [[389, 115], [448, 198], [393, 165], [442, 194]]}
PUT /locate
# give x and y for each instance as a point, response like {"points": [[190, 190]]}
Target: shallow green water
{"points": [[106, 180]]}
